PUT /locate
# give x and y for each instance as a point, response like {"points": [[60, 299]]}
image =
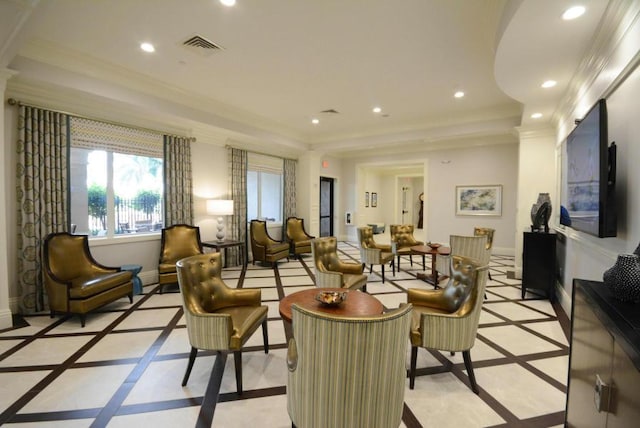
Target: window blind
{"points": [[96, 135], [264, 163]]}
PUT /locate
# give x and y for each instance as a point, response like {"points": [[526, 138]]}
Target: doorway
{"points": [[326, 206]]}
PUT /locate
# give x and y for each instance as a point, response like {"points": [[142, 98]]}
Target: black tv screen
{"points": [[590, 175]]}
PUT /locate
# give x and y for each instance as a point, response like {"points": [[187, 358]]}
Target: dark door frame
{"points": [[331, 182]]}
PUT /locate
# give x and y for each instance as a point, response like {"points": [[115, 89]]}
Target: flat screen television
{"points": [[590, 176]]}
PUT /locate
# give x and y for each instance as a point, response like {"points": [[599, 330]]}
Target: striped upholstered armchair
{"points": [[336, 381], [402, 240], [218, 318], [473, 247], [372, 253], [447, 319]]}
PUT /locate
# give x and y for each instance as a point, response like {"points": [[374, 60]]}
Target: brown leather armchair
{"points": [[218, 317], [178, 241], [75, 282], [299, 239], [372, 253], [447, 319], [402, 238], [330, 271], [263, 247]]}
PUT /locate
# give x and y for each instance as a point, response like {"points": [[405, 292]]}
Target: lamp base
{"points": [[220, 234]]}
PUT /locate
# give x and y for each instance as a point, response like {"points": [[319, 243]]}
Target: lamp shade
{"points": [[219, 207]]}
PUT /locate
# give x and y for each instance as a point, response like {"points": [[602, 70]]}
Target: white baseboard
{"points": [[148, 277], [6, 321]]}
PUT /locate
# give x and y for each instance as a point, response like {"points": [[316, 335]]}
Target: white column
{"points": [[6, 168], [536, 174]]}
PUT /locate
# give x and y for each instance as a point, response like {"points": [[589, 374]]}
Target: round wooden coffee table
{"points": [[357, 303]]}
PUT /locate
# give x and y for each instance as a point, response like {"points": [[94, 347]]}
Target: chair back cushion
{"points": [[473, 247], [259, 234], [462, 280], [295, 230], [485, 231], [402, 235], [365, 237], [325, 254], [179, 241], [349, 372], [67, 257]]}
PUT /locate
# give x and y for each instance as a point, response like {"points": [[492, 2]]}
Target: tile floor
{"points": [[125, 367]]}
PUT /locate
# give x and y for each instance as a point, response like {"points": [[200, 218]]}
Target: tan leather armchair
{"points": [[75, 282], [299, 239], [218, 317], [372, 253], [338, 382], [402, 239], [332, 272], [488, 232], [447, 319], [177, 242], [263, 247]]}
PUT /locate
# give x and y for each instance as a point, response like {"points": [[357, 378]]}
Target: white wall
{"points": [[488, 165]]}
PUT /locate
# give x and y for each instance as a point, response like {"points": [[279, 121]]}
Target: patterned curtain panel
{"points": [[43, 182], [177, 181], [237, 160], [289, 197]]}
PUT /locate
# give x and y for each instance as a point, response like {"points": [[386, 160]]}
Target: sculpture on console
{"points": [[541, 213]]}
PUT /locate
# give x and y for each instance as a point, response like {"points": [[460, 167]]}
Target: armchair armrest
{"points": [[205, 334], [351, 268], [448, 332], [370, 255], [429, 298], [245, 297], [292, 355]]}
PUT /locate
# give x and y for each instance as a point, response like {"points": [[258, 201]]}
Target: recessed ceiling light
{"points": [[315, 121], [549, 84], [147, 47], [536, 115], [377, 109], [459, 94], [228, 2], [573, 13]]}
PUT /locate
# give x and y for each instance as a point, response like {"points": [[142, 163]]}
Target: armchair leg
{"points": [[398, 264], [423, 264], [265, 336], [130, 297], [469, 366], [192, 359], [370, 268], [411, 260], [237, 357], [382, 273], [412, 367], [83, 319], [393, 267]]}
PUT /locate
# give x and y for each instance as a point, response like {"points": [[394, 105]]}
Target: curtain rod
{"points": [[14, 102], [229, 146]]}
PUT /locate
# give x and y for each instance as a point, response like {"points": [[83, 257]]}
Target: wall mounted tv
{"points": [[589, 187]]}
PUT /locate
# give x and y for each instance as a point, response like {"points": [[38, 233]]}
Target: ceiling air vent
{"points": [[330, 111], [200, 45]]}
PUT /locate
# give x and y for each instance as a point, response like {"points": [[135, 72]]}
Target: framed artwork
{"points": [[374, 199], [366, 199], [479, 200]]}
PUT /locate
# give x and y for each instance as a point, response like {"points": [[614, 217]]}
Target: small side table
{"points": [[137, 282], [217, 246]]}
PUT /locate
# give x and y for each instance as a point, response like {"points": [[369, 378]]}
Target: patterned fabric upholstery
{"points": [[474, 247], [218, 317], [347, 372], [299, 239], [177, 242], [263, 247], [332, 272], [447, 319], [402, 240], [372, 253], [75, 282]]}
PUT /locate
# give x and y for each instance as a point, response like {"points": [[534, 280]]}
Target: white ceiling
{"points": [[284, 61]]}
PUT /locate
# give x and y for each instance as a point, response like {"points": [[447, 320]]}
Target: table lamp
{"points": [[220, 207]]}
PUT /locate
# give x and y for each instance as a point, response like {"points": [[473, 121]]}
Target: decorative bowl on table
{"points": [[331, 298], [434, 245]]}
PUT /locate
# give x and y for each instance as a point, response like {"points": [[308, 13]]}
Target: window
{"points": [[264, 188], [116, 180]]}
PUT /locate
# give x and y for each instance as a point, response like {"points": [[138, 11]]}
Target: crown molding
{"points": [[536, 131], [54, 55], [618, 26]]}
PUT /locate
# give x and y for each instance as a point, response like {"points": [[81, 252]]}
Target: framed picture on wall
{"points": [[366, 199], [479, 200], [374, 199]]}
